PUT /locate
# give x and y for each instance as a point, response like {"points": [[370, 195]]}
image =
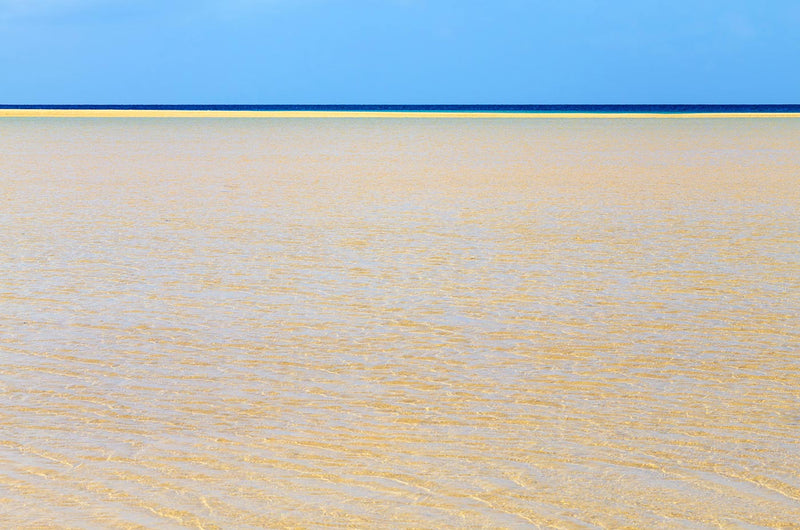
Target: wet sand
{"points": [[399, 323]]}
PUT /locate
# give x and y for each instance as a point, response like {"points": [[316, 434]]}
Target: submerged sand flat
{"points": [[569, 323]]}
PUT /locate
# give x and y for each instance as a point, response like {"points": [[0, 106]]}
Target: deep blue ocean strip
{"points": [[633, 109]]}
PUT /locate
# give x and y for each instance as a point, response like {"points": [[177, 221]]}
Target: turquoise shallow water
{"points": [[399, 323]]}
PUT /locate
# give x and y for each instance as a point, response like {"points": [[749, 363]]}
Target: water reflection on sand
{"points": [[399, 323]]}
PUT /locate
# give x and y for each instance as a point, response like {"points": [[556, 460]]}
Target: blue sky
{"points": [[399, 51]]}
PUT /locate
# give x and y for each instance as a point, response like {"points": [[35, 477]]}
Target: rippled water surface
{"points": [[570, 323]]}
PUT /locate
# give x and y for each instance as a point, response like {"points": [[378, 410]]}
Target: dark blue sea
{"points": [[684, 108]]}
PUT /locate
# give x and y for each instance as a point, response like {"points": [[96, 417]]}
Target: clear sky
{"points": [[399, 51]]}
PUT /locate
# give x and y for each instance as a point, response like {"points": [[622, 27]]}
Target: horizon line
{"points": [[417, 113], [400, 106], [660, 110]]}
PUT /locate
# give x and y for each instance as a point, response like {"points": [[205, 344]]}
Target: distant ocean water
{"points": [[440, 108]]}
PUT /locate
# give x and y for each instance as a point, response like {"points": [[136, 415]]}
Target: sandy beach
{"points": [[398, 323]]}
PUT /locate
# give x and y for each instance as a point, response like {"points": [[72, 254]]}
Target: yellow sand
{"points": [[399, 323], [113, 113]]}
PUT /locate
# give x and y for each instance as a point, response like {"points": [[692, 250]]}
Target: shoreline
{"points": [[141, 113]]}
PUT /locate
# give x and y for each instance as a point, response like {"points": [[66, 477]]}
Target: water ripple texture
{"points": [[399, 323]]}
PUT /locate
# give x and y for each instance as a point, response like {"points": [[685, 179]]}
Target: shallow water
{"points": [[574, 323]]}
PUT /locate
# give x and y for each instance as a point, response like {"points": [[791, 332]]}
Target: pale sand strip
{"points": [[113, 113]]}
